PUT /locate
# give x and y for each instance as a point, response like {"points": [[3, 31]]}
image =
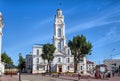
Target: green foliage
{"points": [[48, 54], [21, 64], [6, 59], [80, 47]]}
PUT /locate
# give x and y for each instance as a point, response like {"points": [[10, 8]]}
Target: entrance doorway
{"points": [[59, 68]]}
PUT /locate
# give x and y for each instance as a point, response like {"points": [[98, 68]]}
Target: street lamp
{"points": [[19, 68], [0, 74]]}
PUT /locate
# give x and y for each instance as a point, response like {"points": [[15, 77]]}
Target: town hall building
{"points": [[63, 59]]}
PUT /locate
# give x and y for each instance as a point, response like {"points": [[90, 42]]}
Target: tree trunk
{"points": [[47, 68], [75, 64]]}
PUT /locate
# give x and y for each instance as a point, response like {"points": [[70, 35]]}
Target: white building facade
{"points": [[39, 65], [112, 64], [63, 59], [1, 26], [90, 67]]}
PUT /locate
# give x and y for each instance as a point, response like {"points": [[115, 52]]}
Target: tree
{"points": [[48, 54], [6, 59], [21, 64], [80, 47]]}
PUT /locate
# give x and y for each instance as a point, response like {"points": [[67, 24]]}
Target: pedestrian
{"points": [[113, 74], [79, 76]]}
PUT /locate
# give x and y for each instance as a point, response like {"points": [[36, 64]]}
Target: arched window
{"points": [[37, 51], [59, 46], [59, 32]]}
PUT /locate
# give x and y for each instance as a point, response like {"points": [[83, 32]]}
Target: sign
{"points": [[102, 69]]}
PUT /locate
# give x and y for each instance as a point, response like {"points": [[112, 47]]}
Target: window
{"points": [[37, 67], [29, 66], [59, 46], [59, 59], [44, 61], [68, 60], [37, 60], [81, 67], [37, 52], [59, 32], [68, 67], [68, 52], [43, 67], [29, 60]]}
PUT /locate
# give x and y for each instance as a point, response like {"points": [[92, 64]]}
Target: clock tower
{"points": [[59, 39]]}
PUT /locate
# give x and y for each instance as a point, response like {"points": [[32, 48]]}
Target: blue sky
{"points": [[29, 22]]}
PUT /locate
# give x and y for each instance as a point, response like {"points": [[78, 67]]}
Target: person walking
{"points": [[79, 76]]}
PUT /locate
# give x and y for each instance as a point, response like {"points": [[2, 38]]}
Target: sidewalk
{"points": [[10, 78]]}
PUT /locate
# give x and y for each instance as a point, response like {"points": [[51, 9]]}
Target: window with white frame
{"points": [[37, 67], [59, 46], [37, 60], [43, 67], [59, 59], [68, 51], [68, 67], [37, 51], [59, 32], [68, 60], [81, 68]]}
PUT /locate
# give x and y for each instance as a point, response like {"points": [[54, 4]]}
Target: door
{"points": [[59, 68]]}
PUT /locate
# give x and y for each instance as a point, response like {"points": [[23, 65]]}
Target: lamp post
{"points": [[11, 67], [0, 74], [19, 67]]}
